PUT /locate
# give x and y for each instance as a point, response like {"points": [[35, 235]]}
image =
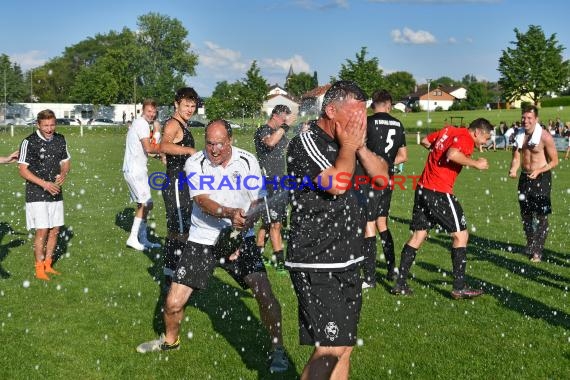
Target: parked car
{"points": [[234, 125], [66, 121], [195, 124], [9, 120], [102, 121]]}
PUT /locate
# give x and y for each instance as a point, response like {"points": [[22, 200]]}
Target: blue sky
{"points": [[428, 38]]}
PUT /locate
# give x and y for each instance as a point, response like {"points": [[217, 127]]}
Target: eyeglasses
{"points": [[218, 145]]}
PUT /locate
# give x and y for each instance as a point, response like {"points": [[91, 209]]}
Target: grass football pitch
{"points": [[87, 322]]}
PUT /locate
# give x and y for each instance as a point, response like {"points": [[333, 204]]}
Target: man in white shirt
{"points": [[225, 182], [138, 147]]}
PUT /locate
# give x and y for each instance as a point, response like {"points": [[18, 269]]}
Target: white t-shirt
{"points": [[135, 160], [237, 185]]}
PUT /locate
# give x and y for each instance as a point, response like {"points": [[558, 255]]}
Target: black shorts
{"points": [[534, 194], [378, 203], [433, 207], [277, 201], [197, 264], [178, 205], [329, 306]]}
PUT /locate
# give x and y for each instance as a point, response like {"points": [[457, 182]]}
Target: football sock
{"points": [[135, 228], [388, 248], [459, 261], [40, 272], [48, 268], [369, 265], [406, 260]]}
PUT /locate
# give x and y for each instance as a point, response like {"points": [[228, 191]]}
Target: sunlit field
{"points": [[87, 322]]}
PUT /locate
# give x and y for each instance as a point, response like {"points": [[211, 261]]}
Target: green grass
{"points": [[87, 322]]}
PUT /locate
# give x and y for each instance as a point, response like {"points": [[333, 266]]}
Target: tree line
{"points": [[156, 59]]}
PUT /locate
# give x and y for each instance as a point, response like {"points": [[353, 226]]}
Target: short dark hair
{"points": [[46, 115], [281, 108], [186, 93], [481, 123], [343, 89], [381, 96], [224, 122], [530, 108]]}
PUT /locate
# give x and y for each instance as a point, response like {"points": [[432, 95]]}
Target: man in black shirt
{"points": [[327, 228], [385, 137], [44, 164], [177, 144], [270, 145]]}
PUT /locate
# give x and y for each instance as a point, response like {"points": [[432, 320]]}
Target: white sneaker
{"points": [[366, 285], [157, 345], [134, 243]]}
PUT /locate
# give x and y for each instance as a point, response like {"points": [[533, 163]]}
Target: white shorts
{"points": [[40, 215], [138, 187]]}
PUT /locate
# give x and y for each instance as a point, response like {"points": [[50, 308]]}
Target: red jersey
{"points": [[439, 173]]}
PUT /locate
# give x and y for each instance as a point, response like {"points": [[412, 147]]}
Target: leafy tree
{"points": [[443, 81], [54, 80], [156, 59], [468, 79], [169, 58], [15, 84], [477, 95], [253, 91], [399, 84], [364, 72], [95, 85], [224, 101], [534, 66], [298, 84]]}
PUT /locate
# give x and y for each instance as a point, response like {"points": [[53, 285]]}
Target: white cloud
{"points": [[30, 59], [408, 36], [216, 57], [297, 61], [452, 40], [469, 40]]}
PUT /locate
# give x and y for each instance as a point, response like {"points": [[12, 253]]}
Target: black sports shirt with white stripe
{"points": [[43, 158], [326, 230]]}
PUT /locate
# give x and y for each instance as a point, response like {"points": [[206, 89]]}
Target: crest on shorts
{"points": [[331, 331], [181, 272]]}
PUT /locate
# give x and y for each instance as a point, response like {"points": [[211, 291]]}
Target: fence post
{"points": [[11, 130], [418, 138]]}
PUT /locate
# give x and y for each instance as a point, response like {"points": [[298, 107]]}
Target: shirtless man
{"points": [[537, 155]]}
